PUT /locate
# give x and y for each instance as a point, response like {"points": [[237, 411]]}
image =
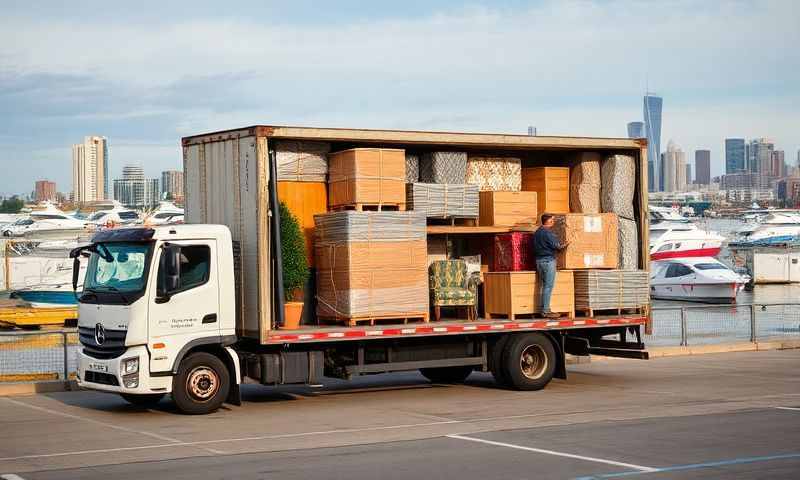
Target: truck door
{"points": [[190, 312]]}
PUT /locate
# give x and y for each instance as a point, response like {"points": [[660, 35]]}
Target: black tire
{"points": [[447, 374], [496, 365], [530, 361], [201, 385], [146, 400]]}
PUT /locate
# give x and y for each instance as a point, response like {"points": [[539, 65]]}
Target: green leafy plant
{"points": [[293, 250]]}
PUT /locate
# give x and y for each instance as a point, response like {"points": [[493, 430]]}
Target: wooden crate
{"points": [[371, 177], [551, 185], [593, 240], [515, 293], [506, 209], [305, 199]]}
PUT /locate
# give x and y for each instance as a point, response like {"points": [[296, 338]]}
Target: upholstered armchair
{"points": [[452, 287]]}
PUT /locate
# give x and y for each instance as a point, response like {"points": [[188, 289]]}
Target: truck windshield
{"points": [[117, 272]]}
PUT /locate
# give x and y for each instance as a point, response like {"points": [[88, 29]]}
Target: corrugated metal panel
{"points": [[221, 187]]}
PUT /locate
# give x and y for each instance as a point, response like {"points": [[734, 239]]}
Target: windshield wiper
{"points": [[109, 288]]}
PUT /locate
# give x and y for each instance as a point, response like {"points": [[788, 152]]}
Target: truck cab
{"points": [[157, 315]]}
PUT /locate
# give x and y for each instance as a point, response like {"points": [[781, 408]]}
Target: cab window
{"points": [[195, 267]]}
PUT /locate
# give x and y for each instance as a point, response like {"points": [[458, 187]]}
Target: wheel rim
{"points": [[202, 383], [533, 362]]}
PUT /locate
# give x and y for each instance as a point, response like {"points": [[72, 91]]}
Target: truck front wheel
{"points": [[529, 361], [201, 385]]}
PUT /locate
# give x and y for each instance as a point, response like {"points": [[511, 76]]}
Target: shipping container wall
{"points": [[222, 187]]}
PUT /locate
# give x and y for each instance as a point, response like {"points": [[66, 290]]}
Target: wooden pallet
{"points": [[530, 316], [454, 222], [592, 312], [371, 207], [400, 318]]}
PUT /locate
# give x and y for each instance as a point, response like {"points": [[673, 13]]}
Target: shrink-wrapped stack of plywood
{"points": [[367, 176], [494, 173], [443, 167], [618, 174], [584, 184], [593, 240], [611, 289], [443, 200], [412, 168], [371, 266], [299, 161]]}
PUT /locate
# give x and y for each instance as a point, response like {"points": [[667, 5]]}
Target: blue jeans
{"points": [[546, 273]]}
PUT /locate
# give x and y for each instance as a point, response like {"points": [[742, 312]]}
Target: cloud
{"points": [[576, 68]]}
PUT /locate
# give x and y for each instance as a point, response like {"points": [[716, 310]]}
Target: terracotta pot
{"points": [[292, 312]]}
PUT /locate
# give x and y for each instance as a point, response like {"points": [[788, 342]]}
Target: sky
{"points": [[146, 73]]}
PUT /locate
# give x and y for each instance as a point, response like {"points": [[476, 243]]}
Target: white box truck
{"points": [[194, 310]]}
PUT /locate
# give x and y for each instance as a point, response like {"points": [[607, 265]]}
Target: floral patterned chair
{"points": [[452, 287]]}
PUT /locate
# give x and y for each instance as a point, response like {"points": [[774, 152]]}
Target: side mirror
{"points": [[169, 271], [76, 268]]}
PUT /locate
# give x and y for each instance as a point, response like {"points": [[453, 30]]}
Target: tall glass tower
{"points": [[636, 130], [652, 130]]}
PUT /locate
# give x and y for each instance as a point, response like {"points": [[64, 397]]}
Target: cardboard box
{"points": [[516, 293], [305, 199], [594, 240], [507, 209], [551, 185], [367, 176]]}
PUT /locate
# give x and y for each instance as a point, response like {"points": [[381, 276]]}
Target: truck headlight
{"points": [[131, 381], [130, 365]]}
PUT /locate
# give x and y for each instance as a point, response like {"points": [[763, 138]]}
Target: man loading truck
{"points": [[545, 245]]}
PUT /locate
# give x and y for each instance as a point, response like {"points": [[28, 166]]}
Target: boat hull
{"points": [[705, 293], [696, 252]]}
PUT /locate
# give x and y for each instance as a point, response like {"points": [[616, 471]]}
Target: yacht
{"points": [[167, 213], [674, 236], [771, 229], [46, 219], [699, 279], [117, 214]]}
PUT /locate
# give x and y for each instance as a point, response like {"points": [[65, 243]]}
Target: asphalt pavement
{"points": [[725, 416]]}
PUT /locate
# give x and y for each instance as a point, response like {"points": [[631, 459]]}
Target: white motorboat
{"points": [[167, 213], [117, 214], [700, 279], [682, 243], [773, 228], [47, 219]]}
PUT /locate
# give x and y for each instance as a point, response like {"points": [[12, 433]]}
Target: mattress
{"points": [[495, 173], [443, 167]]}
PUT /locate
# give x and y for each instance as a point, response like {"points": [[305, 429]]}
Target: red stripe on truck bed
{"points": [[428, 329]]}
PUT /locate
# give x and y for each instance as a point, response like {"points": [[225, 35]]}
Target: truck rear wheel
{"points": [[496, 365], [529, 361], [147, 400], [446, 374], [201, 385]]}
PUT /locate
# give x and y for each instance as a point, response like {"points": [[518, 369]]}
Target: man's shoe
{"points": [[551, 315]]}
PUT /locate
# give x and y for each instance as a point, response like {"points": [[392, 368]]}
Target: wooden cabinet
{"points": [[305, 199], [515, 293], [551, 185], [507, 208]]}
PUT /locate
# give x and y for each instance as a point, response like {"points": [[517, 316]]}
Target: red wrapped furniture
{"points": [[513, 252]]}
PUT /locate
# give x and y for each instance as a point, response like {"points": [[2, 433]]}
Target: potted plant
{"points": [[295, 266]]}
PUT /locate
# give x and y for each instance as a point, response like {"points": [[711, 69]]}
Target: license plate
{"points": [[97, 367]]}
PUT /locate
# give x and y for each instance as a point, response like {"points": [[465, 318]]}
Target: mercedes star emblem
{"points": [[99, 334]]}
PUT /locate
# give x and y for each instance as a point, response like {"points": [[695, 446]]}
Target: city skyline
{"points": [[56, 86]]}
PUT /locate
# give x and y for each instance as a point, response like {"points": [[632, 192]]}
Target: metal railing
{"points": [[28, 356]]}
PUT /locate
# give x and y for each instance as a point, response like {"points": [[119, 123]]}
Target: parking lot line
{"points": [[11, 476], [794, 409], [639, 468], [695, 466]]}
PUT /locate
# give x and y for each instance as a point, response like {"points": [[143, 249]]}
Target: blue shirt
{"points": [[545, 243]]}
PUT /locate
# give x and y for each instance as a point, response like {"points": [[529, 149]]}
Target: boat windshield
{"points": [[710, 266], [97, 215], [117, 272]]}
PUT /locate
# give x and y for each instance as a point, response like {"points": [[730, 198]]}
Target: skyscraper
{"points": [[636, 130], [674, 168], [652, 130], [735, 158], [702, 167], [778, 164], [688, 173], [45, 191], [760, 156], [135, 191], [90, 169], [172, 183]]}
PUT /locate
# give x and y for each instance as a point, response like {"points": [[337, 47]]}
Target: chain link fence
{"points": [[53, 355]]}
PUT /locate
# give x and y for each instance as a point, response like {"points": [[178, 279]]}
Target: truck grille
{"points": [[101, 378], [112, 347]]}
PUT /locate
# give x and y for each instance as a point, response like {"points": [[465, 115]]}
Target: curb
{"points": [[660, 352], [37, 387]]}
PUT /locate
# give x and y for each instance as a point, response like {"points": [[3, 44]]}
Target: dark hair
{"points": [[546, 217]]}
